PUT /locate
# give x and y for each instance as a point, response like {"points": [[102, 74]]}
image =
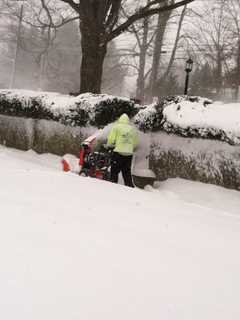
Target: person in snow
{"points": [[123, 137]]}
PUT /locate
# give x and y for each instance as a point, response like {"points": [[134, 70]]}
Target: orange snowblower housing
{"points": [[95, 164], [90, 163]]}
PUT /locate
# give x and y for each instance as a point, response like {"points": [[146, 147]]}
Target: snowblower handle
{"points": [[108, 147], [85, 145]]}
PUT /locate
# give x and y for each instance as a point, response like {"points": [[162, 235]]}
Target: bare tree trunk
{"points": [[171, 61], [238, 72], [42, 67], [161, 28], [13, 75], [219, 72], [142, 61], [93, 54]]}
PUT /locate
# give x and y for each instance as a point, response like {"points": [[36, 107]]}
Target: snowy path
{"points": [[78, 248]]}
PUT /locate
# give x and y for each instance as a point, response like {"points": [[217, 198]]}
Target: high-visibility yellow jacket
{"points": [[123, 136]]}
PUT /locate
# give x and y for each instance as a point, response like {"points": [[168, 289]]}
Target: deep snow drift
{"points": [[78, 248]]}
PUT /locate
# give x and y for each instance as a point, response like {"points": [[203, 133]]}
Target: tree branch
{"points": [[73, 4], [176, 42], [145, 12]]}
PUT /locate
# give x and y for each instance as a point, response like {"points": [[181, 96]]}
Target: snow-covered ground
{"points": [[79, 248]]}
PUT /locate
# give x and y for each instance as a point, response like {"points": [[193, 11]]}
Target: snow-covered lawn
{"points": [[79, 248]]}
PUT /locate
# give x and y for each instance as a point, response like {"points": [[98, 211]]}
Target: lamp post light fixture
{"points": [[188, 69]]}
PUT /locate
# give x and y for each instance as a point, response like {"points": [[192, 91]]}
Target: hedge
{"points": [[99, 110], [83, 110]]}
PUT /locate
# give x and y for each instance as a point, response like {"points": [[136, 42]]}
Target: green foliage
{"points": [[76, 117], [40, 135], [58, 140], [32, 108], [197, 167], [150, 118], [16, 134], [109, 110]]}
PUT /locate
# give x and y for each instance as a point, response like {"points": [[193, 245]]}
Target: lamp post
{"points": [[188, 69]]}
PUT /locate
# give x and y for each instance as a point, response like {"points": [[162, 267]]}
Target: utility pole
{"points": [[13, 74]]}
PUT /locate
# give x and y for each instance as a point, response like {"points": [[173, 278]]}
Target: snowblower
{"points": [[95, 161], [95, 164], [91, 163]]}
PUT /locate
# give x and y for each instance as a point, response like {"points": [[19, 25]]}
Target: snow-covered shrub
{"points": [[57, 138], [43, 136], [207, 161], [16, 132], [82, 110], [103, 109], [192, 117], [21, 105], [202, 120], [151, 117]]}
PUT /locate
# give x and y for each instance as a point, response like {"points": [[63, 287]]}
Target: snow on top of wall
{"points": [[49, 99], [87, 108], [58, 99], [217, 116]]}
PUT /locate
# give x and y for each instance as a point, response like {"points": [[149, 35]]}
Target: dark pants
{"points": [[120, 163]]}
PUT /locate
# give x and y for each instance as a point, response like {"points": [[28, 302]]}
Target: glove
{"points": [[108, 146]]}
